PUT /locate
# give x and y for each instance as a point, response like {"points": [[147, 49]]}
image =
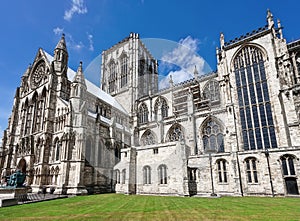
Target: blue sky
{"points": [[95, 25]]}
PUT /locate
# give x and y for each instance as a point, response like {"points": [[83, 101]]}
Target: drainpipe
{"points": [[267, 154]]}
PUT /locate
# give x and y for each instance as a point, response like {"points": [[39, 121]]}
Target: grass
{"points": [[124, 207]]}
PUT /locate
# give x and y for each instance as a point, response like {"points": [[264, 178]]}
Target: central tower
{"points": [[129, 72]]}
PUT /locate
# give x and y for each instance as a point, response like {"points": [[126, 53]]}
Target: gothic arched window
{"points": [[112, 79], [148, 138], [57, 150], [212, 91], [175, 133], [254, 101], [124, 70], [212, 135], [163, 106], [143, 113]]}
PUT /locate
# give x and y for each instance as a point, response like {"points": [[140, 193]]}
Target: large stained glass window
{"points": [[253, 99]]}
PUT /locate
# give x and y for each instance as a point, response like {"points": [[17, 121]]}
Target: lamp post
{"points": [[211, 174], [267, 154]]}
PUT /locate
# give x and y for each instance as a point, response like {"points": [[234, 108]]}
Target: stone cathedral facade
{"points": [[235, 131]]}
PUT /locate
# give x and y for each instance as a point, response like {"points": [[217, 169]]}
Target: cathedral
{"points": [[235, 131]]}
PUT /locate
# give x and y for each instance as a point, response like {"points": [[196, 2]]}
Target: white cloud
{"points": [[74, 44], [77, 7], [91, 43], [185, 57], [58, 31]]}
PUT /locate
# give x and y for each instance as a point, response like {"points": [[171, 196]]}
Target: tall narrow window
{"points": [[162, 173], [117, 173], [143, 113], [29, 119], [251, 170], [212, 136], [254, 101], [124, 70], [123, 176], [222, 171], [88, 151], [57, 150], [112, 79], [147, 175], [164, 108]]}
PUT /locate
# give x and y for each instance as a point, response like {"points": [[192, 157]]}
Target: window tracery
{"points": [[124, 71], [212, 91], [175, 133], [212, 135], [112, 79], [143, 113], [254, 102], [148, 138], [161, 104]]}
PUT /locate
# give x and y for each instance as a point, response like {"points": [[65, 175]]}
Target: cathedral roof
{"points": [[92, 88]]}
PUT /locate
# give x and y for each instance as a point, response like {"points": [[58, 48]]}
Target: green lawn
{"points": [[124, 207]]}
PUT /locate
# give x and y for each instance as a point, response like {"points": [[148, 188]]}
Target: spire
{"points": [[270, 19], [279, 29], [196, 73], [171, 81], [222, 40], [62, 43], [79, 77]]}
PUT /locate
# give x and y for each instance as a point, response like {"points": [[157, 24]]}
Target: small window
{"points": [[192, 174], [251, 170], [162, 173], [288, 168], [117, 173], [222, 171], [155, 150], [123, 176], [147, 174]]}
